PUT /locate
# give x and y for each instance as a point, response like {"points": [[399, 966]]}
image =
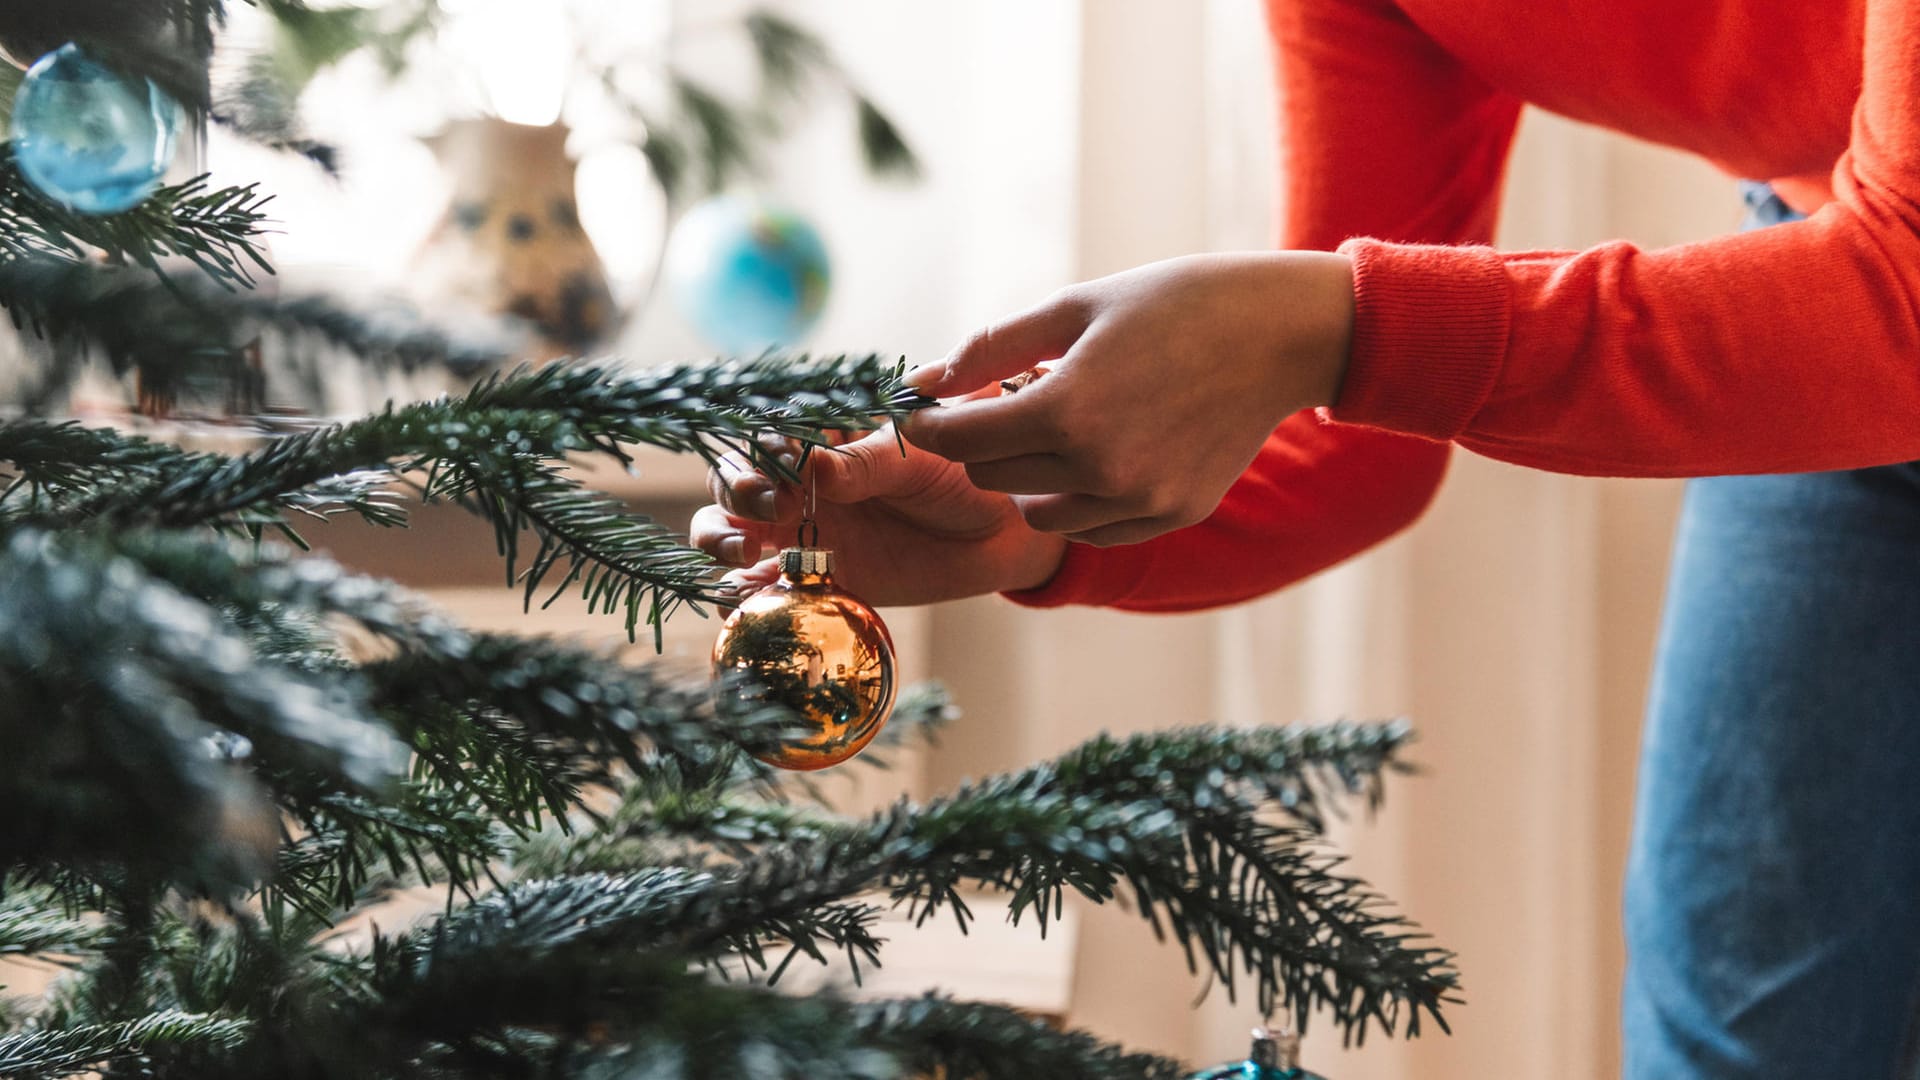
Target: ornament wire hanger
{"points": [[807, 505]]}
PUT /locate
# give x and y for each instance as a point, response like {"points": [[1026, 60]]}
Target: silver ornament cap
{"points": [[806, 561], [1275, 1051]]}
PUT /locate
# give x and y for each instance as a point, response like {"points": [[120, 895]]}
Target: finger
{"points": [[1031, 474], [732, 540], [744, 492], [782, 450], [1070, 514], [1133, 531], [749, 580], [991, 427], [1006, 348], [729, 473], [873, 467]]}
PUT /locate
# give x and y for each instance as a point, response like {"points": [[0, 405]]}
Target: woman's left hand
{"points": [[1167, 379]]}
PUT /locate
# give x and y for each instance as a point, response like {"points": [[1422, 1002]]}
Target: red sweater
{"points": [[1795, 348]]}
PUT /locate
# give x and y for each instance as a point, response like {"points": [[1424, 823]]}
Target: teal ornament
{"points": [[747, 275], [1273, 1057], [88, 137]]}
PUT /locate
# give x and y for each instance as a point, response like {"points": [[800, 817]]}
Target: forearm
{"points": [[1796, 348]]}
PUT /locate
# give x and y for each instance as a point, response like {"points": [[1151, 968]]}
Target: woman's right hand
{"points": [[906, 528]]}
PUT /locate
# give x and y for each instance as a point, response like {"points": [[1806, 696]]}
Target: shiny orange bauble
{"points": [[818, 650]]}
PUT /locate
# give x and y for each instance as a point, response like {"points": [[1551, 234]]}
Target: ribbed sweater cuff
{"points": [[1430, 330], [1095, 577]]}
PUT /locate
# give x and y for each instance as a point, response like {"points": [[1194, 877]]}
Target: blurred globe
{"points": [[88, 137], [748, 276]]}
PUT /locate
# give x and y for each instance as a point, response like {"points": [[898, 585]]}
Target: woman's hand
{"points": [[905, 529], [1168, 379]]}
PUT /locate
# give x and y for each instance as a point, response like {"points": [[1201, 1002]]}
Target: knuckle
{"points": [[977, 346], [1177, 510], [1059, 426], [1067, 299], [1107, 477]]}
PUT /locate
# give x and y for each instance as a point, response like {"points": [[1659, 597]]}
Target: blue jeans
{"points": [[1773, 889]]}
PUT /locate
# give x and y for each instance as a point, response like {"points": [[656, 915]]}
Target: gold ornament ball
{"points": [[818, 650]]}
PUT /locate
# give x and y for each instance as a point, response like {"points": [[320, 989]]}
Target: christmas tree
{"points": [[218, 751]]}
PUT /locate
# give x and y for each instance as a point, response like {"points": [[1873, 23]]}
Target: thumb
{"points": [[870, 468], [1006, 348]]}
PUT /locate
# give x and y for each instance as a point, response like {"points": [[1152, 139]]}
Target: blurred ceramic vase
{"points": [[510, 240]]}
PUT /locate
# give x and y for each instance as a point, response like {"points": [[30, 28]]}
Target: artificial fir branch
{"points": [[617, 1013], [578, 702], [32, 923], [352, 844], [252, 581], [688, 408], [492, 451], [145, 702], [199, 669], [506, 732], [35, 1054], [935, 1036], [622, 563], [49, 460], [214, 229], [168, 41], [925, 1036], [526, 418], [548, 704], [1158, 813], [50, 469], [1295, 767], [678, 808], [176, 329]]}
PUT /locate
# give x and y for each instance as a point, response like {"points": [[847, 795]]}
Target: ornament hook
{"points": [[807, 524]]}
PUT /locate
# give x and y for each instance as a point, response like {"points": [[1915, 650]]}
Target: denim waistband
{"points": [[1764, 207]]}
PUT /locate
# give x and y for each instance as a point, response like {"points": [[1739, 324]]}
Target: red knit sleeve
{"points": [[1794, 348], [1381, 134]]}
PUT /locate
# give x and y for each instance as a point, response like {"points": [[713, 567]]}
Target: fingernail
{"points": [[924, 378], [761, 504], [733, 550]]}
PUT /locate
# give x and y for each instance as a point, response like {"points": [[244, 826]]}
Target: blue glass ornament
{"points": [[1274, 1057], [748, 276], [88, 137]]}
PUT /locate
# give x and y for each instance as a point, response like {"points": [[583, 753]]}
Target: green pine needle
{"points": [[495, 450], [1174, 817], [65, 1052], [214, 229]]}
